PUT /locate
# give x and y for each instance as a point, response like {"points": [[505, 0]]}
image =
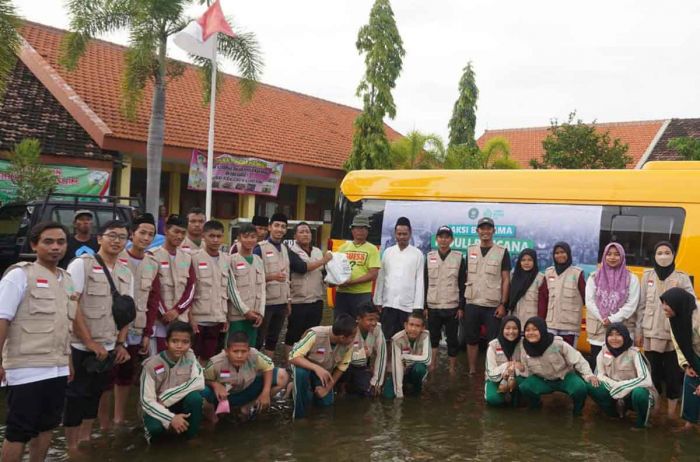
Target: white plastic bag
{"points": [[338, 269]]}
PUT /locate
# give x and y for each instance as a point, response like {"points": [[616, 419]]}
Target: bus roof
{"points": [[646, 186]]}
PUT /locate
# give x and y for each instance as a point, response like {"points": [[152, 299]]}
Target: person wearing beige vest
{"points": [[366, 373], [487, 288], [410, 358], [624, 377], [38, 304], [169, 278], [279, 262], [247, 311], [653, 328], [318, 361], [171, 385], [612, 295], [209, 309], [562, 294], [243, 376], [445, 276], [550, 364], [96, 344], [143, 230], [502, 364], [307, 289], [525, 284], [193, 241]]}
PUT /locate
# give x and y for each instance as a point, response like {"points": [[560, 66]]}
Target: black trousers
{"points": [[303, 317], [84, 392], [447, 318], [665, 370]]}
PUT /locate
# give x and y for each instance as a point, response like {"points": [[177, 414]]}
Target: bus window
{"points": [[638, 229], [347, 210]]}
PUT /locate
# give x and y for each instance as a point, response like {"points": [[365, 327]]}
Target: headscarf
{"points": [[546, 339], [622, 330], [561, 267], [612, 284], [683, 304], [508, 345], [522, 280], [662, 272]]}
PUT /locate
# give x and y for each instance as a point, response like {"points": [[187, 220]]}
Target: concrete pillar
{"points": [[246, 205], [124, 186], [174, 193], [301, 202]]}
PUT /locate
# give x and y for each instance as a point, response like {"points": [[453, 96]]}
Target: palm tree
{"points": [[417, 151], [9, 37], [494, 155], [150, 23]]}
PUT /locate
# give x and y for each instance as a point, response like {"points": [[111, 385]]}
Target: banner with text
{"points": [[245, 175], [518, 226], [71, 180]]}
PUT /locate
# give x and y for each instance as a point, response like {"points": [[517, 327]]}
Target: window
{"points": [[318, 201], [345, 212], [285, 202], [102, 216], [638, 229]]}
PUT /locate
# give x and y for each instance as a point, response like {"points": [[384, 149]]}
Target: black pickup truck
{"points": [[16, 219]]}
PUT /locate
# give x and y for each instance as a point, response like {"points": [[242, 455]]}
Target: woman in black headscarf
{"points": [[550, 365], [525, 283], [653, 332], [562, 294], [624, 376], [502, 362], [681, 308]]}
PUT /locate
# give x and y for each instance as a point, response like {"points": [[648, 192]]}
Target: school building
{"points": [[78, 117]]}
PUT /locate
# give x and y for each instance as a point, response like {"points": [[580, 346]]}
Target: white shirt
{"points": [[76, 269], [400, 281], [12, 289], [625, 311]]}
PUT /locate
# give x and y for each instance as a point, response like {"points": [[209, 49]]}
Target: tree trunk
{"points": [[156, 135]]}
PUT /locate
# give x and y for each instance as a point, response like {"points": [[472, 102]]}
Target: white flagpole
{"points": [[210, 147]]}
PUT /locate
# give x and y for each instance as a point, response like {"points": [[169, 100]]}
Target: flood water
{"points": [[449, 421]]}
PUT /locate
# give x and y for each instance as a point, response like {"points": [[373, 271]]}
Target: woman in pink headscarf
{"points": [[612, 295]]}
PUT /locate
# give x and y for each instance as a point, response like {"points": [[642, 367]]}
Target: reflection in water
{"points": [[449, 422]]}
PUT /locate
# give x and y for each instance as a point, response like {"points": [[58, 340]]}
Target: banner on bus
{"points": [[244, 175], [518, 226], [70, 180]]}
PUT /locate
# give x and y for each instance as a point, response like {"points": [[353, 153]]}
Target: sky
{"points": [[614, 60]]}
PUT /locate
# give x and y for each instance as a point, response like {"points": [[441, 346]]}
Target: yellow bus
{"points": [[536, 208]]}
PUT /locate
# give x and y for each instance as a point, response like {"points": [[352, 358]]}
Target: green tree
{"points": [[381, 43], [687, 146], [417, 151], [577, 145], [463, 122], [494, 155], [150, 23], [9, 37], [31, 179]]}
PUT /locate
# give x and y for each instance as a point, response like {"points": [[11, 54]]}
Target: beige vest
{"points": [[39, 335], [211, 289], [140, 294], [249, 281], [307, 287], [500, 355], [551, 365], [322, 353], [565, 303], [96, 299], [620, 368], [443, 280], [166, 374], [190, 247], [276, 293], [364, 348], [235, 379], [655, 324], [596, 330], [401, 341], [484, 276], [173, 275], [527, 305]]}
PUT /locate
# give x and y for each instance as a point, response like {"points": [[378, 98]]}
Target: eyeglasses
{"points": [[116, 237]]}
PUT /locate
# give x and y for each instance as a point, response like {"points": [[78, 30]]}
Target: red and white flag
{"points": [[199, 37]]}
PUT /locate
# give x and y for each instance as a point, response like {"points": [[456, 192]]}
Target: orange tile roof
{"points": [[526, 143], [277, 124]]}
